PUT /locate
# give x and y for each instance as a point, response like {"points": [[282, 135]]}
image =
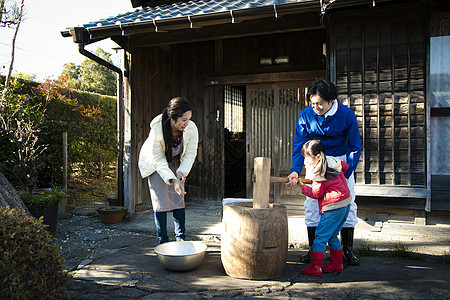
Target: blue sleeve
{"points": [[353, 144], [300, 138]]}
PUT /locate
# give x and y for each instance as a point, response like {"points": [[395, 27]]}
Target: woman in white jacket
{"points": [[166, 158]]}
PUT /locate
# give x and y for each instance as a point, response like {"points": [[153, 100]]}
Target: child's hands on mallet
{"points": [[293, 179]]}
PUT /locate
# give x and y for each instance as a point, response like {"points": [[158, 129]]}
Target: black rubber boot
{"points": [[311, 236], [347, 245]]}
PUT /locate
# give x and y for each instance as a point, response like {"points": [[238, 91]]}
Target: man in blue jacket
{"points": [[335, 125]]}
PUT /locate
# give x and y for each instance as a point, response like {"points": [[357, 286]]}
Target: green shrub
{"points": [[90, 122], [30, 265], [43, 200], [20, 146], [88, 118]]}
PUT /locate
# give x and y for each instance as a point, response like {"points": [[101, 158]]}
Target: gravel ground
{"points": [[81, 233]]}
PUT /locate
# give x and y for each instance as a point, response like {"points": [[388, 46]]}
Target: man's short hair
{"points": [[324, 88]]}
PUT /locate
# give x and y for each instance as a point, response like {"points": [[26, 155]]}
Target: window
{"points": [[234, 109], [439, 94], [440, 63]]}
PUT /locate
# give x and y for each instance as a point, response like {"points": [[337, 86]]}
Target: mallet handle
{"points": [[286, 180], [274, 179]]}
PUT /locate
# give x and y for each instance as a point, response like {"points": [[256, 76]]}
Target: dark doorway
{"points": [[234, 141]]}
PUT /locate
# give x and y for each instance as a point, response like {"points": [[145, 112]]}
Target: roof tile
{"points": [[183, 9]]}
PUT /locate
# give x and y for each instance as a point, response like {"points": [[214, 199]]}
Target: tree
{"points": [[9, 196], [90, 76], [20, 119], [11, 14], [72, 72], [29, 77], [32, 120], [69, 110]]}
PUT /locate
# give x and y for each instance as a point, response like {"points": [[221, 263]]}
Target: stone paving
{"points": [[121, 264]]}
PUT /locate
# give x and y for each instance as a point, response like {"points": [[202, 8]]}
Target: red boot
{"points": [[315, 268], [335, 264]]}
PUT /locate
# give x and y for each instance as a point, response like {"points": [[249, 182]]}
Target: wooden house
{"points": [[246, 66]]}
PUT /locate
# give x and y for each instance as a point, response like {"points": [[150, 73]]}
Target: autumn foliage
{"points": [[43, 112]]}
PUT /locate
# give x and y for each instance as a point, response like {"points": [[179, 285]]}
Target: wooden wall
{"points": [[149, 96], [377, 56], [304, 49], [158, 73], [192, 64], [379, 64]]}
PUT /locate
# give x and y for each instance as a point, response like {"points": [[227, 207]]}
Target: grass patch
{"points": [[445, 259], [368, 250], [403, 251], [397, 250], [89, 191]]}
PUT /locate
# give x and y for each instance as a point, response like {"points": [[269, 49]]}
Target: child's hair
{"points": [[313, 148]]}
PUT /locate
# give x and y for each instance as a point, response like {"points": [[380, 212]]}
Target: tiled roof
{"points": [[184, 9]]}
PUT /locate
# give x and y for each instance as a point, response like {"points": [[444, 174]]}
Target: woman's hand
{"points": [[293, 178], [181, 177], [179, 187]]}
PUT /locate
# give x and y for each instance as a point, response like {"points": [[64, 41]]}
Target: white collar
{"points": [[333, 109]]}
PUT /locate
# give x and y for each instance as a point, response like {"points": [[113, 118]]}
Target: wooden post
{"points": [[120, 146], [261, 187], [62, 203]]}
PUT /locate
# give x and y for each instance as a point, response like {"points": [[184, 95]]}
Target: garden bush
{"points": [[88, 118], [30, 265], [90, 122]]}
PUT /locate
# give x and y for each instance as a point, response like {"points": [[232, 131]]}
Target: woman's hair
{"points": [[313, 148], [324, 88], [174, 110]]}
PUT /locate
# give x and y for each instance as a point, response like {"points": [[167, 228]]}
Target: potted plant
{"points": [[111, 214], [44, 203]]}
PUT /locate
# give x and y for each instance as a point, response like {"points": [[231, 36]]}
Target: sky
{"points": [[40, 47]]}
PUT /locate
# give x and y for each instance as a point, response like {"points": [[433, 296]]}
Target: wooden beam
{"points": [[378, 102], [265, 77], [400, 12], [218, 57], [390, 191]]}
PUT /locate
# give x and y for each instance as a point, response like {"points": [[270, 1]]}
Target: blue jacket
{"points": [[339, 134]]}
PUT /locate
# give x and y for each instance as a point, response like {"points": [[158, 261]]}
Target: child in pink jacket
{"points": [[329, 187]]}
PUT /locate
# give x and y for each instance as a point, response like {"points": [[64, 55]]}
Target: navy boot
{"points": [[311, 236], [347, 245]]}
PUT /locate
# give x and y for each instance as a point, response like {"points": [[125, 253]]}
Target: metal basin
{"points": [[181, 256]]}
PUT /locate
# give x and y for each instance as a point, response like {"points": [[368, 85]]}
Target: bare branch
{"points": [[13, 48], [9, 13]]}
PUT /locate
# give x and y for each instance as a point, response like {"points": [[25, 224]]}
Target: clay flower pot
{"points": [[111, 214]]}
